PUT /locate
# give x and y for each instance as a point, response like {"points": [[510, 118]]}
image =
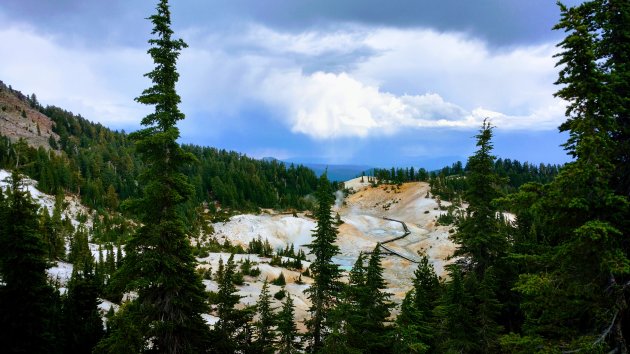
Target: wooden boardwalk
{"points": [[389, 251]]}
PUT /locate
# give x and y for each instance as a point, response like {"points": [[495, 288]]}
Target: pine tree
{"points": [[577, 287], [28, 304], [377, 306], [478, 233], [160, 265], [232, 332], [361, 314], [325, 289], [52, 236], [79, 248], [280, 280], [613, 17], [348, 316], [415, 324], [123, 332], [287, 330], [409, 331], [265, 331], [82, 323], [487, 309], [456, 328]]}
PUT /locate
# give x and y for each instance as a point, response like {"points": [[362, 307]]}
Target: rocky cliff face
{"points": [[19, 120]]}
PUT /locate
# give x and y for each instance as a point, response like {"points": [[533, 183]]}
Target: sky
{"points": [[379, 83]]}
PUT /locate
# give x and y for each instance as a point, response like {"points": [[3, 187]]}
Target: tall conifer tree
{"points": [[415, 324], [232, 332], [28, 304], [287, 329], [265, 326], [325, 289], [455, 320], [376, 334], [478, 232], [160, 265], [82, 323], [575, 291]]}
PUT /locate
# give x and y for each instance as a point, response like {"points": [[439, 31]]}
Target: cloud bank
{"points": [[344, 82]]}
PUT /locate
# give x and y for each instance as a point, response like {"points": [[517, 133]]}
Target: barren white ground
{"points": [[362, 212]]}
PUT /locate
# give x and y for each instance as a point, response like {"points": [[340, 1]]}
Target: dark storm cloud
{"points": [[90, 22], [500, 22]]}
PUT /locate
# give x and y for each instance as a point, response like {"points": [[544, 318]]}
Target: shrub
{"points": [[280, 294], [279, 280]]}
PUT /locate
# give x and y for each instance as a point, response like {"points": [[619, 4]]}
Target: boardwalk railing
{"points": [[389, 251]]}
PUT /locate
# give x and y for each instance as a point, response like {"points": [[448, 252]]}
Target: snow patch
{"points": [[60, 273]]}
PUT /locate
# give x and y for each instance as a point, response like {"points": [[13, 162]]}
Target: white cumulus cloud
{"points": [[326, 105], [390, 79], [99, 84]]}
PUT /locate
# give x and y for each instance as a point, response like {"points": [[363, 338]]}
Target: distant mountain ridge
{"points": [[337, 173]]}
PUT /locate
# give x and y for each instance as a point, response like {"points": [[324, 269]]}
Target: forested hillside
{"points": [[99, 164], [450, 181]]}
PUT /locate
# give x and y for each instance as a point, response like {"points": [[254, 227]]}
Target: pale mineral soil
{"points": [[362, 213]]}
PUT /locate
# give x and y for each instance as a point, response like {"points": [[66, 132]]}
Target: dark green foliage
{"points": [[483, 246], [574, 283], [361, 316], [446, 219], [257, 246], [415, 325], [82, 323], [349, 314], [239, 182], [325, 289], [478, 232], [111, 228], [295, 262], [486, 309], [376, 306], [28, 305], [232, 332], [52, 231], [124, 332], [265, 325], [455, 322], [279, 281], [287, 330], [280, 294], [160, 266], [79, 249], [246, 268], [400, 175], [108, 263], [449, 184], [409, 331], [556, 280], [615, 46]]}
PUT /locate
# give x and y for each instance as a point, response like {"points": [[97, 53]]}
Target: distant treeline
{"points": [[449, 180]]}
